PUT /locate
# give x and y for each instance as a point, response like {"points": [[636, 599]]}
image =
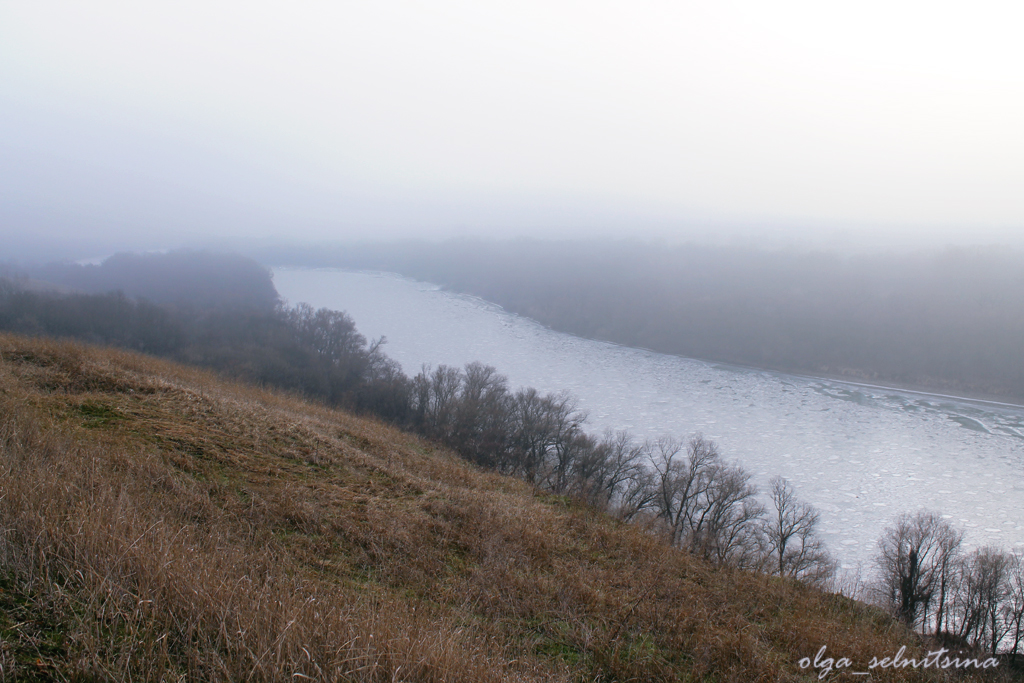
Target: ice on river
{"points": [[861, 455]]}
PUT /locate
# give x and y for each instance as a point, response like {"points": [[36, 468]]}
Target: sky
{"points": [[159, 124]]}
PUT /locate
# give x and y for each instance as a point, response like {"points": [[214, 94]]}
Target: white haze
{"points": [[155, 124]]}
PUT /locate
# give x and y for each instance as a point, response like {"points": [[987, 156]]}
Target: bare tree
{"points": [[682, 482], [638, 496], [532, 436], [1013, 611], [793, 546], [331, 334], [441, 391], [994, 564], [979, 607], [911, 553], [482, 416], [949, 543], [568, 441], [730, 531], [542, 442], [706, 506], [607, 468]]}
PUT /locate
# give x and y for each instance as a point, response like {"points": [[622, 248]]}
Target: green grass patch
{"points": [[95, 414]]}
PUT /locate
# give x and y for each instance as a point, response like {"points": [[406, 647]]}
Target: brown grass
{"points": [[159, 523]]}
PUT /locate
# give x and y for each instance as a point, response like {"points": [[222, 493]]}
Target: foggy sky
{"points": [[157, 124]]}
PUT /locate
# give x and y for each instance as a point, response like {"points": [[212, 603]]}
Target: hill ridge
{"points": [[163, 523]]}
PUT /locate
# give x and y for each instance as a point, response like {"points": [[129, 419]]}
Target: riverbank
{"points": [[944, 321], [860, 456]]}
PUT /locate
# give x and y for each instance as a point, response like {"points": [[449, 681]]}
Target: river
{"points": [[860, 454]]}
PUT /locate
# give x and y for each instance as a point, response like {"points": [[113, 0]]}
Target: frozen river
{"points": [[861, 455]]}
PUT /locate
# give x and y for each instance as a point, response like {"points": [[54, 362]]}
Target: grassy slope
{"points": [[162, 524]]}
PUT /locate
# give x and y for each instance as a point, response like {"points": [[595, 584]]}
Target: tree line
{"points": [[966, 599], [197, 279], [684, 491]]}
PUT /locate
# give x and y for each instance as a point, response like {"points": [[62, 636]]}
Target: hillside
{"points": [[160, 523]]}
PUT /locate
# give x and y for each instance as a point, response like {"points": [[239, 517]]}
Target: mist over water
{"points": [[861, 455]]}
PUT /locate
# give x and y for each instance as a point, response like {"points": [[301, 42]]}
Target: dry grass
{"points": [[159, 523]]}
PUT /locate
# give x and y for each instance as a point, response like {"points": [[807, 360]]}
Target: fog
{"points": [[948, 321], [877, 125]]}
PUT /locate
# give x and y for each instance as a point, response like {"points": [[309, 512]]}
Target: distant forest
{"points": [[193, 279], [219, 311], [947, 320]]}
